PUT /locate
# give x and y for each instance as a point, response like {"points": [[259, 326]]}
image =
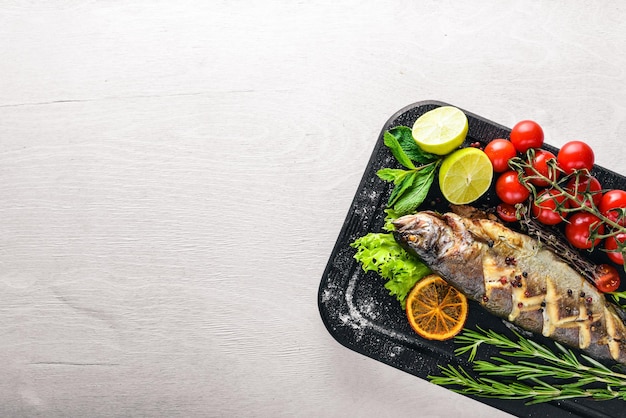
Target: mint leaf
{"points": [[411, 186], [414, 196], [392, 174], [396, 149], [404, 137], [401, 187]]}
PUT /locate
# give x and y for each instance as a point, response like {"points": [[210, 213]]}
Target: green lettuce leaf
{"points": [[381, 253]]}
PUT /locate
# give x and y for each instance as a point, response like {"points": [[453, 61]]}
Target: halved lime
{"points": [[465, 175], [441, 130]]}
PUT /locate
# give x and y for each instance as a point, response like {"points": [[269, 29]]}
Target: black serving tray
{"points": [[360, 314]]}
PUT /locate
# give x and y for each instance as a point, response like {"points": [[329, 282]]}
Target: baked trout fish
{"points": [[514, 277]]}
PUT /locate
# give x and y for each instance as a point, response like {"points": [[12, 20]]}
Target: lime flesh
{"points": [[441, 130], [465, 175]]}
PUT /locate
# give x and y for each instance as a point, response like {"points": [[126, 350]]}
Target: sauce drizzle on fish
{"points": [[516, 278]]}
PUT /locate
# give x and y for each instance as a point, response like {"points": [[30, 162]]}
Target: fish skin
{"points": [[514, 277]]}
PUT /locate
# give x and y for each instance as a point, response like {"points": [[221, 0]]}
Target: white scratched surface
{"points": [[174, 174]]}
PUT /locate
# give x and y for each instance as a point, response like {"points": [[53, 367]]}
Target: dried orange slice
{"points": [[436, 310]]}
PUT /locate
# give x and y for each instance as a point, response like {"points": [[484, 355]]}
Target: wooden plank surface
{"points": [[173, 176]]}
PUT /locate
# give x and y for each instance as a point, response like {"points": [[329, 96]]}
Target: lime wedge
{"points": [[465, 175], [441, 130]]}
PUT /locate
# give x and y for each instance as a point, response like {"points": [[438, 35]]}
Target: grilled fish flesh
{"points": [[512, 276]]}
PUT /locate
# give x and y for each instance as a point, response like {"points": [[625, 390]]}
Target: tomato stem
{"points": [[574, 200]]}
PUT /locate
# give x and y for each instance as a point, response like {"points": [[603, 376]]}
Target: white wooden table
{"points": [[174, 174]]}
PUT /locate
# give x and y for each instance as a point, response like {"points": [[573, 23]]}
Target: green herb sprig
{"points": [[539, 374], [411, 186], [380, 252]]}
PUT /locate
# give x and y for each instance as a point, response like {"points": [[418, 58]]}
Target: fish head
{"points": [[447, 244], [428, 234]]}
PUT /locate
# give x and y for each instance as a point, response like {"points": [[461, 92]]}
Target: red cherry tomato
{"points": [[547, 208], [586, 189], [612, 247], [540, 164], [500, 151], [575, 155], [526, 134], [606, 278], [612, 205], [509, 189], [506, 212], [580, 227]]}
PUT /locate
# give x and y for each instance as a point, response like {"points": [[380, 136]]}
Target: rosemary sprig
{"points": [[539, 374], [512, 390]]}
